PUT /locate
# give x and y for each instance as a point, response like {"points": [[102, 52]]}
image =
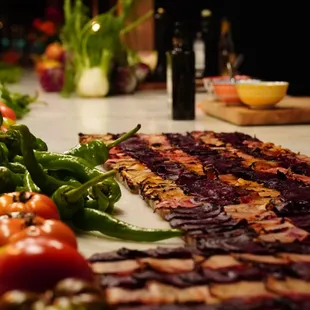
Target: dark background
{"points": [[272, 35]]}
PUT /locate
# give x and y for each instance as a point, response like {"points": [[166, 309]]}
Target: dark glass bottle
{"points": [[161, 31], [182, 64], [226, 47]]}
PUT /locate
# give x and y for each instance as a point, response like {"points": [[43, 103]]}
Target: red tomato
{"points": [[38, 264], [18, 226], [7, 112], [28, 202]]}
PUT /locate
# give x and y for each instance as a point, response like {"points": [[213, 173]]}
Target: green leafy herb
{"points": [[9, 73], [16, 101]]}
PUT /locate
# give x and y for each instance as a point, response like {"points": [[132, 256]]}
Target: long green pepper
{"points": [[70, 200], [9, 180], [29, 185], [95, 220], [79, 168], [112, 190], [99, 201], [12, 140], [46, 183], [96, 152]]}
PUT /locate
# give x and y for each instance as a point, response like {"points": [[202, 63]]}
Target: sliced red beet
{"points": [[159, 252], [293, 193], [288, 161]]}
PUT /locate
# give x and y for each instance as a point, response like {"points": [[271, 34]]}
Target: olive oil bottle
{"points": [[181, 75], [226, 48]]}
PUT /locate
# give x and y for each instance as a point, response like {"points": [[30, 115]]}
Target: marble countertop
{"points": [[61, 120]]}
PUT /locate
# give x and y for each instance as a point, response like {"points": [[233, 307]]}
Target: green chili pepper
{"points": [[96, 152], [46, 183], [73, 182], [111, 187], [17, 167], [40, 145], [79, 168], [12, 140], [70, 199], [65, 177], [102, 201], [20, 189], [29, 185], [112, 190], [91, 204], [9, 180], [4, 153], [95, 220]]}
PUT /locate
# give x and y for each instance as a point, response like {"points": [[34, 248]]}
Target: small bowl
{"points": [[226, 91], [209, 82], [261, 94]]}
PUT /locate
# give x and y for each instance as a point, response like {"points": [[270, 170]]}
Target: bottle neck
{"points": [[180, 38]]}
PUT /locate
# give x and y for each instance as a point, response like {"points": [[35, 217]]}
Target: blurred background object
{"points": [[272, 36]]}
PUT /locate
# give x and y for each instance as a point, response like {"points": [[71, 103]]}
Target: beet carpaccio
{"points": [[185, 278], [244, 206]]}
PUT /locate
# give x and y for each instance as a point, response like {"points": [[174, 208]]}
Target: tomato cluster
{"points": [[37, 250], [9, 116]]}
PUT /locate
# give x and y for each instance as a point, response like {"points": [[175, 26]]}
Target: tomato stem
{"points": [[23, 197]]}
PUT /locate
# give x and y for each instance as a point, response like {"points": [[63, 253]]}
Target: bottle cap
{"points": [[206, 13], [160, 10], [181, 36]]}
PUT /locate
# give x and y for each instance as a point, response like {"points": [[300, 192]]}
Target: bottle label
{"points": [[169, 80], [199, 58]]}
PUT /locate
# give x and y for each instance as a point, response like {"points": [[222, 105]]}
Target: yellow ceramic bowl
{"points": [[260, 94]]}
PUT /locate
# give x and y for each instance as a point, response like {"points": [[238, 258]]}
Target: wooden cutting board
{"points": [[291, 110]]}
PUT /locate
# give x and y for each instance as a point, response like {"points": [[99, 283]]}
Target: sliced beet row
{"points": [[294, 194], [194, 268], [207, 223], [246, 292], [267, 304], [254, 147], [210, 191], [159, 252], [213, 192], [253, 272], [301, 221]]}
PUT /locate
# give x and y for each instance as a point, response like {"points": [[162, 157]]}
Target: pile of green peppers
{"points": [[85, 195]]}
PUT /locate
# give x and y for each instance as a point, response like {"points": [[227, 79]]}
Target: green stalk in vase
{"points": [[94, 44]]}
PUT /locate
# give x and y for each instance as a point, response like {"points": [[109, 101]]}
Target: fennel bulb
{"points": [[92, 82]]}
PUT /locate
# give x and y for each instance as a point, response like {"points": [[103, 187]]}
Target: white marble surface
{"points": [[61, 120]]}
